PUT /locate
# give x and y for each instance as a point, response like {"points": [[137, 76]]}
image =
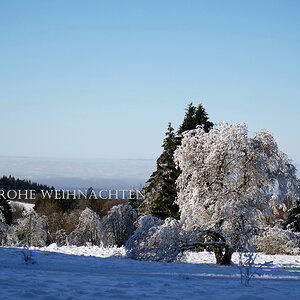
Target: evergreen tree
{"points": [[160, 190], [189, 119], [5, 208], [133, 200], [194, 116], [12, 183], [293, 220]]}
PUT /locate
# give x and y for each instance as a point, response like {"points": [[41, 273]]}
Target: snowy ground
{"points": [[27, 206], [107, 274]]}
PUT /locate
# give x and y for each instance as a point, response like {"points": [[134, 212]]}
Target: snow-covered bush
{"points": [[118, 225], [155, 240], [60, 237], [87, 229], [275, 240]]}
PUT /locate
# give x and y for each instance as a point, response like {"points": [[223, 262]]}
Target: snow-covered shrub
{"points": [[118, 225], [31, 230], [155, 240], [87, 229], [275, 240], [60, 237]]}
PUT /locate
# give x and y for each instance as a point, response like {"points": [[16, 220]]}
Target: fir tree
{"points": [[189, 119], [5, 208], [133, 200], [194, 116], [160, 190], [293, 219]]}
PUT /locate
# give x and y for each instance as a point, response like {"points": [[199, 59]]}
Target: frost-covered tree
{"points": [[55, 219], [166, 240], [118, 225], [31, 230], [87, 230], [3, 229], [231, 184]]}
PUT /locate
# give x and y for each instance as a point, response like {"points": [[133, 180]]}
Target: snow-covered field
{"points": [[101, 273]]}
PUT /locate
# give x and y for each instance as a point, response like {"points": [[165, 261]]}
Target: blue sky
{"points": [[101, 79]]}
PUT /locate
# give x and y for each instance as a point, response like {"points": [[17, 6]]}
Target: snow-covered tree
{"points": [[166, 240], [3, 229], [231, 184], [118, 225], [31, 230], [87, 230]]}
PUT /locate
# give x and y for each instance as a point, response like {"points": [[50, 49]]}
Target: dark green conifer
{"points": [[194, 116], [293, 220], [160, 190], [6, 210]]}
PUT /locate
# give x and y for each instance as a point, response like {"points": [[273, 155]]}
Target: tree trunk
{"points": [[223, 255], [214, 242]]}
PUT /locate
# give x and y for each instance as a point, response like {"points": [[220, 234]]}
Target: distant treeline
{"points": [[47, 206], [12, 183]]}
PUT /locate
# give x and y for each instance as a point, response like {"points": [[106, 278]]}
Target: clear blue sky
{"points": [[103, 78]]}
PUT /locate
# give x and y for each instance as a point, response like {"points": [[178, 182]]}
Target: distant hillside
{"points": [[12, 183]]}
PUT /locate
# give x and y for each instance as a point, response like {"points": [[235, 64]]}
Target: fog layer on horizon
{"points": [[79, 173]]}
